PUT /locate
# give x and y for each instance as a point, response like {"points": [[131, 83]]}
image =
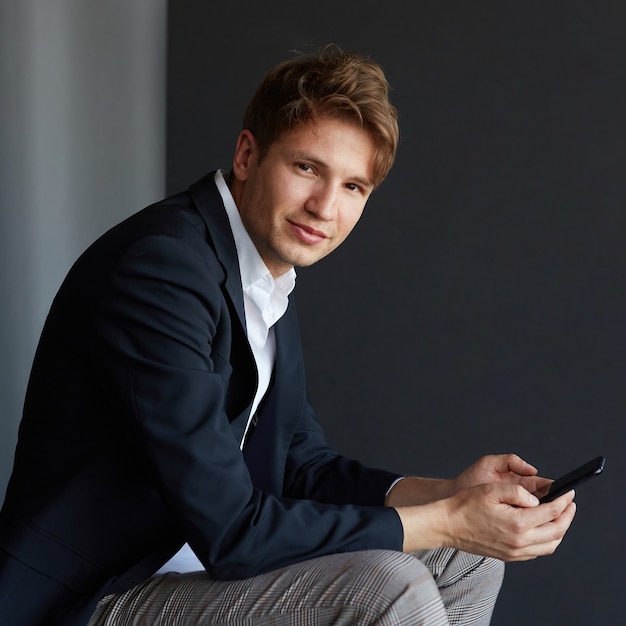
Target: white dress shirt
{"points": [[265, 302], [265, 299]]}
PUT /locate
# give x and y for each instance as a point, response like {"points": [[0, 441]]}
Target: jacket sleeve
{"points": [[162, 328], [315, 471]]}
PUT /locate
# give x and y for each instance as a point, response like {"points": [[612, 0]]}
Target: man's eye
{"points": [[304, 167]]}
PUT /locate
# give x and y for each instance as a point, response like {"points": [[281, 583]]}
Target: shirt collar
{"points": [[268, 295]]}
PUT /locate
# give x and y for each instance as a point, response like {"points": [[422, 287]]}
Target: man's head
{"points": [[331, 84], [319, 135]]}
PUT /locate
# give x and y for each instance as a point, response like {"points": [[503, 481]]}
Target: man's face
{"points": [[308, 192]]}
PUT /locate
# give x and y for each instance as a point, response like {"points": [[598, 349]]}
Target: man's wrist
{"points": [[413, 490], [425, 527]]}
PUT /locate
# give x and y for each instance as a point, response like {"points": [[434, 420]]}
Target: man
{"points": [[169, 463]]}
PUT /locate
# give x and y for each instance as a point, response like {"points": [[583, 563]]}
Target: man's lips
{"points": [[307, 234]]}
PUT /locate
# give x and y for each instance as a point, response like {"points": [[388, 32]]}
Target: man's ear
{"points": [[245, 154]]}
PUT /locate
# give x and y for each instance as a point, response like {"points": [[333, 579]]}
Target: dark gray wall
{"points": [[479, 305]]}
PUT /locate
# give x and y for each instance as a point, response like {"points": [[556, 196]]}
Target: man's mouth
{"points": [[307, 234]]}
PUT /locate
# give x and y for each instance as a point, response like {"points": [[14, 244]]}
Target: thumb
{"points": [[517, 465], [517, 496]]}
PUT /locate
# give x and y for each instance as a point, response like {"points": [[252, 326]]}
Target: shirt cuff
{"points": [[393, 484]]}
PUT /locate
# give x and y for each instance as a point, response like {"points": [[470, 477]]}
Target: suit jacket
{"points": [[138, 397]]}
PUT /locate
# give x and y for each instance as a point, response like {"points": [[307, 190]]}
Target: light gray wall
{"points": [[82, 145]]}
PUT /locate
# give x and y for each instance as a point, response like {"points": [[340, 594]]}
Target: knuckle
{"points": [[555, 510]]}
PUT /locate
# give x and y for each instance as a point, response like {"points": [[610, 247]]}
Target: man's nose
{"points": [[323, 202]]}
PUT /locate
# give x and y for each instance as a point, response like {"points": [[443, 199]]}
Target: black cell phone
{"points": [[569, 481]]}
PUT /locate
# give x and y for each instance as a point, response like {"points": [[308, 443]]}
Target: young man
{"points": [[169, 462]]}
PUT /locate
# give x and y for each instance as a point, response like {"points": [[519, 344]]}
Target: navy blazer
{"points": [[129, 443]]}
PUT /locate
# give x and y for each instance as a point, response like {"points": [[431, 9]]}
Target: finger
{"points": [[565, 515], [537, 485], [554, 529], [558, 505], [534, 551], [517, 496], [552, 533], [544, 539], [541, 483], [517, 465]]}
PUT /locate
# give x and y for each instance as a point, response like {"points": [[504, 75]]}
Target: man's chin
{"points": [[309, 260], [304, 258]]}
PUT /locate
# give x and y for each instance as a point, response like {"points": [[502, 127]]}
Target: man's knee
{"points": [[469, 584], [448, 566], [398, 589], [493, 570]]}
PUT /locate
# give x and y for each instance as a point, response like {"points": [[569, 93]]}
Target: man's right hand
{"points": [[504, 521]]}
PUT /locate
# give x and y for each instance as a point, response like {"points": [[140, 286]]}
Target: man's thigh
{"points": [[380, 587], [370, 587]]}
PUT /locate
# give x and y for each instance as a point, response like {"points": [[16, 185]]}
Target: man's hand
{"points": [[501, 469], [495, 469], [506, 522], [489, 509]]}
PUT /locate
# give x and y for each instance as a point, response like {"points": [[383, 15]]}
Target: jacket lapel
{"points": [[243, 380], [207, 199], [282, 406]]}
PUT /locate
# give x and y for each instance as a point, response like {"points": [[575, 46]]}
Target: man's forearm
{"points": [[412, 490], [423, 518]]}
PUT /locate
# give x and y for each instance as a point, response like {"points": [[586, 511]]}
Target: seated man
{"points": [[169, 466]]}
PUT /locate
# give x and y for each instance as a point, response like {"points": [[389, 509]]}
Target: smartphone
{"points": [[569, 481]]}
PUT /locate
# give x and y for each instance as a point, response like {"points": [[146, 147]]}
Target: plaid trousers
{"points": [[377, 587]]}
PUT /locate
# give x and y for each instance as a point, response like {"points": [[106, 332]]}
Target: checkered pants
{"points": [[434, 588]]}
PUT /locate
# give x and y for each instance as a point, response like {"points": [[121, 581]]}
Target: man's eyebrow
{"points": [[308, 158], [305, 156]]}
